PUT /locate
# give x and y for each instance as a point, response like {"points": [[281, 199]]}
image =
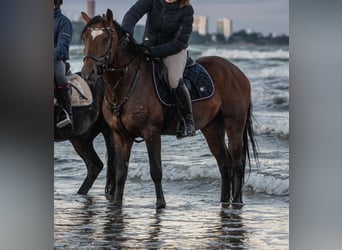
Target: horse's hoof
{"points": [[160, 205], [117, 206], [237, 205], [82, 192], [109, 197], [225, 204], [225, 199]]}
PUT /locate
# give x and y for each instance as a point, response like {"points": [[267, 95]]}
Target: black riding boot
{"points": [[65, 118], [183, 103]]}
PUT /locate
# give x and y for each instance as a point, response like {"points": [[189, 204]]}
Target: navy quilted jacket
{"points": [[168, 27], [62, 37]]}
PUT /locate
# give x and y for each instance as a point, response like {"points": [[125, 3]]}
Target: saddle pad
{"points": [[196, 79], [81, 94]]}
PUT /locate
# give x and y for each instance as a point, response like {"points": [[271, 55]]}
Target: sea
{"points": [[193, 218]]}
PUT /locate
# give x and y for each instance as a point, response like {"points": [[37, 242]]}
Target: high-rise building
{"points": [[224, 26], [91, 8], [200, 25]]}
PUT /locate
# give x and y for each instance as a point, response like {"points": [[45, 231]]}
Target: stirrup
{"points": [[181, 132], [67, 121]]}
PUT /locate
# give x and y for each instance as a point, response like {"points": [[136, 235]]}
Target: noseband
{"points": [[102, 62]]}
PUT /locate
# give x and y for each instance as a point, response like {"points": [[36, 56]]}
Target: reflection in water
{"points": [[233, 230], [77, 220], [154, 240], [85, 222], [113, 227]]}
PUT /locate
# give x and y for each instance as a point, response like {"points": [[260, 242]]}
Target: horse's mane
{"points": [[135, 47]]}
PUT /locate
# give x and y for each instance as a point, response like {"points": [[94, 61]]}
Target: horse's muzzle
{"points": [[89, 74]]}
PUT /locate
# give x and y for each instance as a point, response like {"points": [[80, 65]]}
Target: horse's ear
{"points": [[109, 15], [86, 18]]}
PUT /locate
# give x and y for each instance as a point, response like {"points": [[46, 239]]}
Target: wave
{"points": [[235, 54], [272, 123], [247, 54], [255, 182], [269, 72], [267, 184]]}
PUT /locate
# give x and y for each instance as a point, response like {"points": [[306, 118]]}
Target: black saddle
{"points": [[196, 79]]}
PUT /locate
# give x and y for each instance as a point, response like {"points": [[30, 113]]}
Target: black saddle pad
{"points": [[196, 79]]}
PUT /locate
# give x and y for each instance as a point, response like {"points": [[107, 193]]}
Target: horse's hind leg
{"points": [[153, 144], [85, 149], [215, 136], [235, 135]]}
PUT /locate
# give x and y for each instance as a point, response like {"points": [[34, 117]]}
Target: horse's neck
{"points": [[125, 85]]}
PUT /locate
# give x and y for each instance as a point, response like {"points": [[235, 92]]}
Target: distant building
{"points": [[91, 8], [200, 25], [224, 27]]}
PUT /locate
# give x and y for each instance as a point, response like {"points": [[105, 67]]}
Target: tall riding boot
{"points": [[183, 103], [65, 117]]}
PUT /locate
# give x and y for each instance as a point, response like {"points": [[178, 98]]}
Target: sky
{"points": [[265, 16]]}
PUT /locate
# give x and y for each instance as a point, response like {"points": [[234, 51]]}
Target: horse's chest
{"points": [[137, 111]]}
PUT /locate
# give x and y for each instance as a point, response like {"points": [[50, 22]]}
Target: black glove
{"points": [[124, 40], [145, 51]]}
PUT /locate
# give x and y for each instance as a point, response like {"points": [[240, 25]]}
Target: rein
{"points": [[117, 109]]}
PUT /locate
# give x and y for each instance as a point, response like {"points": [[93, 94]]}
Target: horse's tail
{"points": [[249, 139]]}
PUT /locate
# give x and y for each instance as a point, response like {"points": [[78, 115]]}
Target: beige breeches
{"points": [[175, 65]]}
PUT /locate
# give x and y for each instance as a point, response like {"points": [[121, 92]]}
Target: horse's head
{"points": [[100, 37]]}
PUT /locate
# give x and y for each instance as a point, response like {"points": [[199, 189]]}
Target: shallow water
{"points": [[193, 218]]}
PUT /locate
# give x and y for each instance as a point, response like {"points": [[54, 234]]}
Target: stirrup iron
{"points": [[65, 122]]}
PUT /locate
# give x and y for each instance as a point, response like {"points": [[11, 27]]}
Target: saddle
{"points": [[81, 95], [196, 79]]}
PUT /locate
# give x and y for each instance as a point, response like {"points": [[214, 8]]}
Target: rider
{"points": [[62, 39], [168, 29]]}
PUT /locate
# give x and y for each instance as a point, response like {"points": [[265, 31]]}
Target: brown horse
{"points": [[133, 110]]}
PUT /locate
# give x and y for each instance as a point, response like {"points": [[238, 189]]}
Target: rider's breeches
{"points": [[175, 65]]}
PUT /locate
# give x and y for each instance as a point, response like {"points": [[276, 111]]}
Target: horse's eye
{"points": [[106, 40]]}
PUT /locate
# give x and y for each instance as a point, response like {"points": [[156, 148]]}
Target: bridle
{"points": [[102, 62]]}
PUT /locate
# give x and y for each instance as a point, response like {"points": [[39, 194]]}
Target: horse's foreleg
{"points": [[122, 155], [85, 150], [215, 136], [153, 144], [110, 179]]}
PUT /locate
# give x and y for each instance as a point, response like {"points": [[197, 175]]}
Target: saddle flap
{"points": [[81, 93], [196, 79]]}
